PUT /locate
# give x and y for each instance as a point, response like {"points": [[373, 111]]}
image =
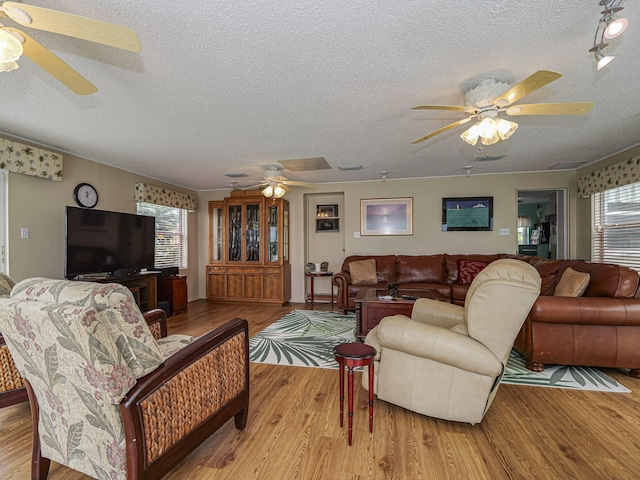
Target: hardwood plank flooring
{"points": [[293, 429]]}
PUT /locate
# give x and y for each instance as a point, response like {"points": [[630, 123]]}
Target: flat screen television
{"points": [[103, 242]]}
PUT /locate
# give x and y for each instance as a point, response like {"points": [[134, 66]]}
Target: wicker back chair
{"points": [[109, 400]]}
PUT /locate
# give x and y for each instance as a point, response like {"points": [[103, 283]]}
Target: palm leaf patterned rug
{"points": [[305, 338]]}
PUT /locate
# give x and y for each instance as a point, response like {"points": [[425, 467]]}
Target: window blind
{"points": [[171, 234], [616, 226]]}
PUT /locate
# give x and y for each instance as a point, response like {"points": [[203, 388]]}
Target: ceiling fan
{"points": [[275, 185], [490, 98], [57, 22]]}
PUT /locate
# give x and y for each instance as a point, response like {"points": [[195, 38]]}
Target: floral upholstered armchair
{"points": [[107, 398]]}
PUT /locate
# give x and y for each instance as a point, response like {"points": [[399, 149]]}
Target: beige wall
{"points": [[427, 196], [39, 205]]}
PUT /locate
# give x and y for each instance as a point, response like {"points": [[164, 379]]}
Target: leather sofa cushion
{"points": [[572, 283], [421, 268], [607, 280], [363, 272], [451, 263], [468, 269], [385, 266]]}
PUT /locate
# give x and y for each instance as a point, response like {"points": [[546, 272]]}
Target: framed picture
{"points": [[474, 214], [386, 216], [327, 211], [327, 225]]}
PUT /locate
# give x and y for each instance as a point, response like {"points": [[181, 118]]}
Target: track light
{"points": [[608, 27]]}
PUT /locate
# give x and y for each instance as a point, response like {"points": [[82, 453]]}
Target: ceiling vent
{"points": [[489, 158], [305, 164], [235, 175], [350, 167], [566, 166]]}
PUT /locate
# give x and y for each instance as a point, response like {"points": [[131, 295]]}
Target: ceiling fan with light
{"points": [[275, 185], [490, 98], [15, 42]]}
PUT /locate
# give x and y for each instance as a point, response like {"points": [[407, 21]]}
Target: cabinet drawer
{"points": [[215, 269]]}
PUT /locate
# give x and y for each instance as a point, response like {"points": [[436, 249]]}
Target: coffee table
{"points": [[370, 309]]}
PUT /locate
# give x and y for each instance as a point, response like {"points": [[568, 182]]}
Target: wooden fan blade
{"points": [[73, 26], [455, 108], [259, 185], [550, 109], [526, 86], [293, 183], [443, 129], [54, 66]]}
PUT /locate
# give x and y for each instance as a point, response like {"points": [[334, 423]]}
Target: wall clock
{"points": [[85, 195]]}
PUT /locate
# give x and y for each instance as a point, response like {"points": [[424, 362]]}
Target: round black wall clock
{"points": [[85, 195]]}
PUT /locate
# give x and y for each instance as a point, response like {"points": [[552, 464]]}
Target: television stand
{"points": [[143, 287]]}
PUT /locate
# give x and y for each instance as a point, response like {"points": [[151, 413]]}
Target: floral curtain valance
{"points": [[21, 158], [162, 196], [623, 173]]}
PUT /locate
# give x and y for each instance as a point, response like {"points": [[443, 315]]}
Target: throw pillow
{"points": [[363, 272], [468, 269], [572, 283]]}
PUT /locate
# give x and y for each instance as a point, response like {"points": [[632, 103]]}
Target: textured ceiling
{"points": [[225, 87]]}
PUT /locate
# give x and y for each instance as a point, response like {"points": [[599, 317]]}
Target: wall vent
{"points": [[235, 175]]}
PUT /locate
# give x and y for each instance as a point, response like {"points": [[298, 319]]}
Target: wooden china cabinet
{"points": [[249, 249]]}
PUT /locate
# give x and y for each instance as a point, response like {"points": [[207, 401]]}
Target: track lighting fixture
{"points": [[608, 27]]}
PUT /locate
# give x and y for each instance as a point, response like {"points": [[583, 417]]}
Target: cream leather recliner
{"points": [[446, 361]]}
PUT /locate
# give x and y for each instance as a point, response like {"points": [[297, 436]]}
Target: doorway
{"points": [[543, 223], [324, 237]]}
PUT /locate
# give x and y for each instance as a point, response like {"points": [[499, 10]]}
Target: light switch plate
{"points": [[24, 232], [356, 234], [504, 231]]}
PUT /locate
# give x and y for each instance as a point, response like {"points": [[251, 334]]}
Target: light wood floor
{"points": [[293, 430]]}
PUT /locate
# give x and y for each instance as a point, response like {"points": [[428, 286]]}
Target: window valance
{"points": [[623, 173], [21, 158], [145, 193]]}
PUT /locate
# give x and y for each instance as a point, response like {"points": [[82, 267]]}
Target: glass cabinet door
{"points": [[285, 232], [253, 233], [272, 215], [235, 233], [215, 230]]}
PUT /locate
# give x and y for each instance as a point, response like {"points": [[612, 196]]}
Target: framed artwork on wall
{"points": [[327, 211], [386, 216], [473, 214], [327, 225]]}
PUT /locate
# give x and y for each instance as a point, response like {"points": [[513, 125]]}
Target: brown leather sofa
{"points": [[601, 328]]}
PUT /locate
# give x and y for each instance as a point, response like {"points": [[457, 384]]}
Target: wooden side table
{"points": [[174, 290], [312, 276], [354, 355]]}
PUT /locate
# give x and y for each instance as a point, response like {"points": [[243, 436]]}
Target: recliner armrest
{"points": [[434, 312], [438, 344]]}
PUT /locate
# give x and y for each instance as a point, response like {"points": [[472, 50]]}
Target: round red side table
{"points": [[354, 355]]}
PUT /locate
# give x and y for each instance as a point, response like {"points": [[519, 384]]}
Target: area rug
{"points": [[305, 338]]}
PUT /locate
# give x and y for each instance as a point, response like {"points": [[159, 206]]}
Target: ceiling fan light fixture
{"points": [[268, 191], [10, 48], [278, 191], [505, 128], [471, 135]]}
